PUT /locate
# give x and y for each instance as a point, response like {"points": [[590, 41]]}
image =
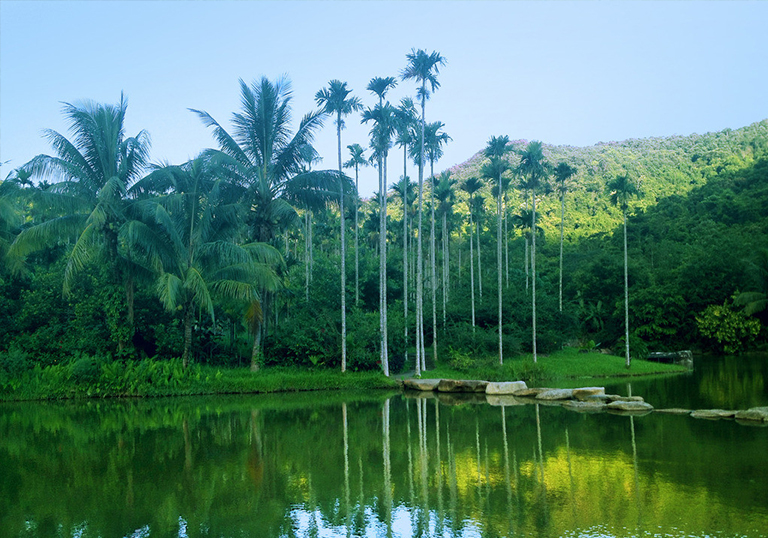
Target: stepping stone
{"points": [[508, 387], [674, 411], [585, 393], [421, 384], [461, 385], [712, 413], [631, 405], [530, 392], [555, 394], [757, 414]]}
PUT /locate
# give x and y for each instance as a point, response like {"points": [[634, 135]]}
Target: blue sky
{"points": [[562, 72]]}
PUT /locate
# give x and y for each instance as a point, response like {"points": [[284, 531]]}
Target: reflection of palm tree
{"points": [[622, 189]]}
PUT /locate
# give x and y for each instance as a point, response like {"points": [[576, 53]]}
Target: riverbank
{"points": [[157, 378]]}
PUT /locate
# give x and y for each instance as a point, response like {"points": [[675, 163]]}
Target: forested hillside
{"points": [[233, 258]]}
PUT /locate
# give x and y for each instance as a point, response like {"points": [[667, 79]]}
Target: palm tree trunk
{"points": [[626, 293], [306, 253], [256, 349], [533, 270], [357, 254], [479, 258], [343, 256], [433, 263], [472, 266], [383, 266], [506, 242], [445, 265], [187, 336], [498, 264], [420, 260], [562, 222]]}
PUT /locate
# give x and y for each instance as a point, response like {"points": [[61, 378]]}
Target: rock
{"points": [[530, 392], [505, 388], [505, 400], [617, 398], [674, 411], [585, 393], [555, 394], [585, 407], [461, 385], [712, 413], [632, 405], [756, 414], [421, 384]]}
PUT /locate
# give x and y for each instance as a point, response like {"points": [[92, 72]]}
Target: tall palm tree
{"points": [[471, 186], [356, 160], [405, 190], [445, 199], [93, 172], [186, 234], [266, 160], [495, 150], [335, 100], [422, 68], [563, 174], [533, 169], [622, 189]]}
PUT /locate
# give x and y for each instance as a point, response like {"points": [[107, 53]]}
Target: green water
{"points": [[380, 464]]}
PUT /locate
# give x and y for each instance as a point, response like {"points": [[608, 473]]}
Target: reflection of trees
{"points": [[265, 467]]}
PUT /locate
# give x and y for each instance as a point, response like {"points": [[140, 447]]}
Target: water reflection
{"points": [[378, 465]]}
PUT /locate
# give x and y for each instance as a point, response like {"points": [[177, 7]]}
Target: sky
{"points": [[563, 72]]}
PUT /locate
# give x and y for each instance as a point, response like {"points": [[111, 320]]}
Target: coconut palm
{"points": [[533, 169], [356, 160], [422, 68], [186, 235], [335, 100], [622, 189], [92, 173], [494, 169], [471, 186], [266, 160], [563, 174]]}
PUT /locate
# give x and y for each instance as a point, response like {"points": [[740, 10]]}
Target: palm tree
{"points": [[471, 186], [356, 160], [533, 168], [266, 161], [445, 198], [94, 171], [187, 238], [405, 190], [495, 150], [335, 100], [622, 189], [563, 173], [423, 68]]}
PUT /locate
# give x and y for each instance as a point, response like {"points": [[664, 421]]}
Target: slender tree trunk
{"points": [[506, 242], [472, 266], [562, 222], [357, 254], [478, 227], [343, 256], [498, 264], [626, 293], [433, 263], [533, 270], [383, 266], [405, 254], [256, 350], [307, 236], [187, 336], [420, 260], [445, 266]]}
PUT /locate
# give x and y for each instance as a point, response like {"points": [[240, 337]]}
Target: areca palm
{"points": [[533, 169], [187, 237], [356, 160], [422, 68], [405, 190], [563, 173], [471, 186], [495, 150], [445, 197], [335, 100], [622, 189], [265, 160], [92, 173]]}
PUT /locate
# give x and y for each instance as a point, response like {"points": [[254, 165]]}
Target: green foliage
{"points": [[729, 330]]}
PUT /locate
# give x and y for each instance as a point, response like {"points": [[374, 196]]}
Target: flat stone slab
{"points": [[555, 394], [674, 411], [503, 400], [531, 392], [461, 385], [508, 387], [632, 405], [757, 414], [617, 398], [421, 384], [712, 413], [585, 407], [584, 393]]}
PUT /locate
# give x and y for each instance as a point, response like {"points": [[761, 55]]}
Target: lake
{"points": [[386, 464]]}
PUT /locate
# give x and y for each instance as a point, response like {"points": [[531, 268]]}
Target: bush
{"points": [[728, 331]]}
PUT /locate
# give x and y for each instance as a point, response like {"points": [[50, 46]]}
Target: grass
{"points": [[563, 365]]}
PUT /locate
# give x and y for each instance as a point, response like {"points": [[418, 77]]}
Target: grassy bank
{"points": [[91, 378], [566, 364]]}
